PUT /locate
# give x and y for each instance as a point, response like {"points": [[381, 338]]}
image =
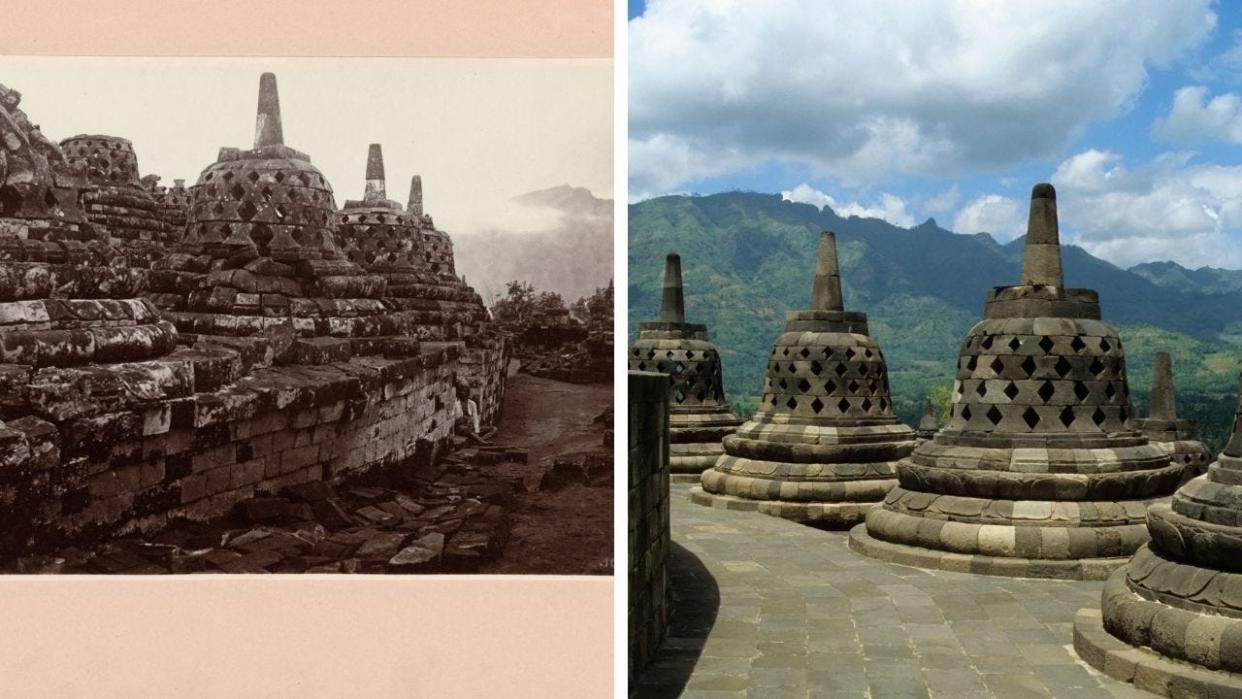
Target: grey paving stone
{"points": [[765, 607]]}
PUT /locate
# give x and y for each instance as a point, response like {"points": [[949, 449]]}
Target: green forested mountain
{"points": [[1208, 280], [748, 257]]}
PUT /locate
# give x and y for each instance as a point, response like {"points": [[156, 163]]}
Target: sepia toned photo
{"points": [[305, 316]]}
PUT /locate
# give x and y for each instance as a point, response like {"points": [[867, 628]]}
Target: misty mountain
{"points": [[571, 254]]}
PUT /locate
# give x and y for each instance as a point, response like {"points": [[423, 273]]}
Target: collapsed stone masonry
{"points": [[150, 372]]}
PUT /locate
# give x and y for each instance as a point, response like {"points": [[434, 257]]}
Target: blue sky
{"points": [[906, 111]]}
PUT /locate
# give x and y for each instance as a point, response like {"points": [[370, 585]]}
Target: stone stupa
{"points": [[699, 415], [823, 445], [1171, 619], [1177, 436], [928, 425], [260, 255], [117, 202], [1039, 472]]}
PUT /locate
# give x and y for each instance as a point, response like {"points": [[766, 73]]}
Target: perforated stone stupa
{"points": [[822, 447], [259, 253], [380, 236], [1177, 436], [1039, 471], [699, 415], [117, 203], [1180, 597]]}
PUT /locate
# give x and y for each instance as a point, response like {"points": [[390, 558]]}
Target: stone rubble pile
{"points": [[454, 524]]}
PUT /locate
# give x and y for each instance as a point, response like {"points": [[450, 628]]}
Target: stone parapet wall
{"points": [[649, 538], [108, 450], [484, 366]]}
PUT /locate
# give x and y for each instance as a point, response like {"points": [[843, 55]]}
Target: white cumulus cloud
{"points": [[1195, 118], [1168, 209], [860, 91], [1003, 217], [890, 208]]}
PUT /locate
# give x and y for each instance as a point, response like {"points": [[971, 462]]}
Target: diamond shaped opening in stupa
{"points": [[1039, 471], [699, 414], [823, 446]]}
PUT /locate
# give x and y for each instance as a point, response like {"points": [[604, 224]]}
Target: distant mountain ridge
{"points": [[749, 257], [571, 256], [1207, 280]]}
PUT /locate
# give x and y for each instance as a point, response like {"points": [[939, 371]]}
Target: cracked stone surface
{"points": [[766, 607]]}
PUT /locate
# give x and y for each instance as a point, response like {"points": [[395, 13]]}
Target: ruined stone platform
{"points": [[765, 607]]}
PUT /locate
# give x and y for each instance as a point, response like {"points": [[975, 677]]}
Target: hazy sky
{"points": [[953, 109], [478, 131]]}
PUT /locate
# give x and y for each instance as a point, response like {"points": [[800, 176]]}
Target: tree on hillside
{"points": [[523, 304]]}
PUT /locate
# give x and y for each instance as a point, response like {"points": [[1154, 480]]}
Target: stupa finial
{"points": [[267, 129], [1041, 261], [826, 295], [929, 422], [1234, 447], [673, 304], [375, 190], [1163, 406], [416, 196]]}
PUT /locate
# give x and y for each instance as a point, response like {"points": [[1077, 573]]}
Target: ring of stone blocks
{"points": [[824, 514], [1184, 538], [720, 481], [891, 446], [979, 564], [1209, 636], [1027, 511], [1045, 541], [1042, 486], [1210, 500]]}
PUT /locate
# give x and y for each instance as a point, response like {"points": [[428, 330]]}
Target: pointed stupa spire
{"points": [[1234, 447], [826, 295], [1163, 406], [416, 196], [928, 423], [673, 304], [375, 191], [1041, 261], [267, 130]]}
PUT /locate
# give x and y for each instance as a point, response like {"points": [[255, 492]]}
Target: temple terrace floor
{"points": [[765, 607]]}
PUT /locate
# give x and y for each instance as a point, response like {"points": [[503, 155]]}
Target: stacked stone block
{"points": [[1171, 619], [1038, 472], [380, 237], [699, 414], [1176, 436], [824, 443], [117, 204], [113, 420], [649, 533]]}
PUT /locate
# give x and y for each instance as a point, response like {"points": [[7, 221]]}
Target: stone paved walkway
{"points": [[765, 607]]}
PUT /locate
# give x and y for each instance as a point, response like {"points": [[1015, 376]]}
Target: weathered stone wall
{"points": [[102, 452], [484, 365], [648, 517]]}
